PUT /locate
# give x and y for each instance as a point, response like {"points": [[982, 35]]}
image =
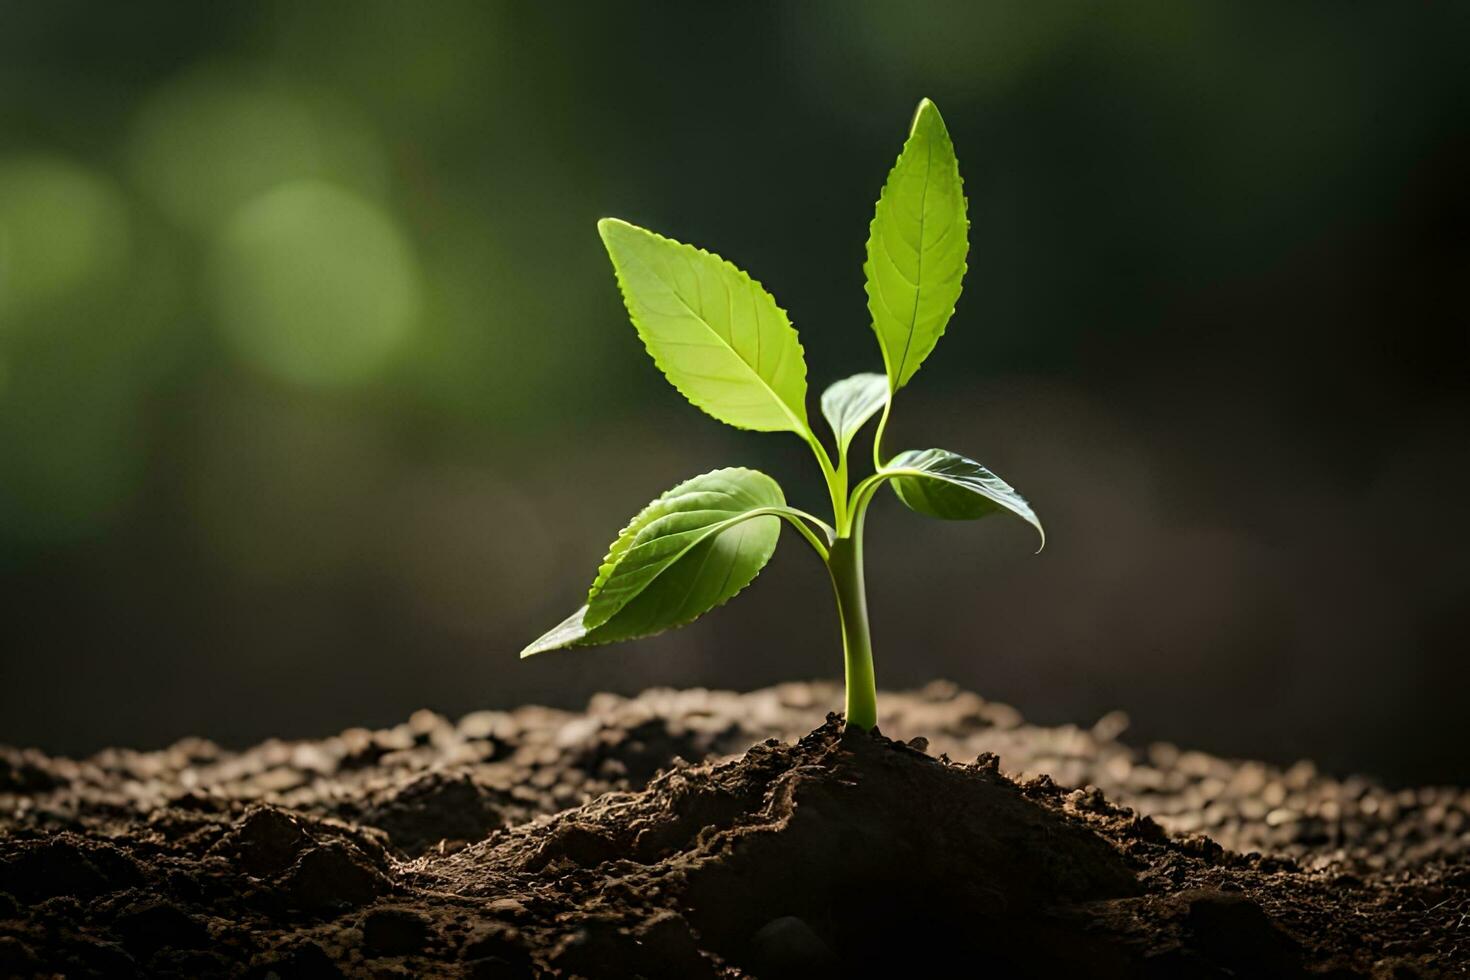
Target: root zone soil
{"points": [[707, 834]]}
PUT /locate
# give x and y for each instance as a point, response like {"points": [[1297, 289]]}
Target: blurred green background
{"points": [[317, 400]]}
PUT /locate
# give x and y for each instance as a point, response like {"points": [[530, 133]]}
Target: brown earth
{"points": [[650, 837]]}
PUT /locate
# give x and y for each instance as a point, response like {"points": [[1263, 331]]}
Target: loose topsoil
{"points": [[709, 834]]}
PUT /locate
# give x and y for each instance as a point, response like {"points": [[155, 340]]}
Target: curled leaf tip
{"points": [[564, 634]]}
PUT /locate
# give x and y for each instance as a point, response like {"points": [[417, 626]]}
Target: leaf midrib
{"points": [[1029, 516], [711, 529], [919, 263]]}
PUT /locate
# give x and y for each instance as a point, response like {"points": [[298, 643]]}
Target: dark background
{"points": [[317, 400]]}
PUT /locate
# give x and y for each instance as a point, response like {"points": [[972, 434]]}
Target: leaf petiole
{"points": [[878, 433], [797, 519]]}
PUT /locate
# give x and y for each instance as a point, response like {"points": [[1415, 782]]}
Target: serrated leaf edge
{"points": [[614, 555], [803, 425], [590, 640], [604, 570]]}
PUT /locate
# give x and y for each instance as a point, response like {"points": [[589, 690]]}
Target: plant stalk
{"points": [[845, 564]]}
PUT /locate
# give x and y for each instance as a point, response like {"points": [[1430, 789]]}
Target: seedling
{"points": [[722, 341]]}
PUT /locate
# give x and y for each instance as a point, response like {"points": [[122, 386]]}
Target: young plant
{"points": [[722, 341]]}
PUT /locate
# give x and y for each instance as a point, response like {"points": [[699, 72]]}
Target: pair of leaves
{"points": [[722, 341], [684, 554], [705, 540], [698, 545]]}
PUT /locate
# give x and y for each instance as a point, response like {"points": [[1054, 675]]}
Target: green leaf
{"points": [[949, 486], [684, 554], [916, 247], [716, 334], [849, 403]]}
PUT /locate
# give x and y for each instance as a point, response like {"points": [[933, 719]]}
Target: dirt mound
{"points": [[540, 843], [842, 847]]}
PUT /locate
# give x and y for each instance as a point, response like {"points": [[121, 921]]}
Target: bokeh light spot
{"points": [[61, 227], [211, 140], [315, 285]]}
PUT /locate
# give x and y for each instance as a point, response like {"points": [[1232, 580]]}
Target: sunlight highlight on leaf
{"points": [[716, 334], [916, 248]]}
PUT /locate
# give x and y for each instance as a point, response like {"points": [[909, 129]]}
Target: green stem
{"points": [[845, 563], [878, 433], [844, 558], [836, 480]]}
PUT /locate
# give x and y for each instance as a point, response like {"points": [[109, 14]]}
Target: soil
{"points": [[708, 834]]}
